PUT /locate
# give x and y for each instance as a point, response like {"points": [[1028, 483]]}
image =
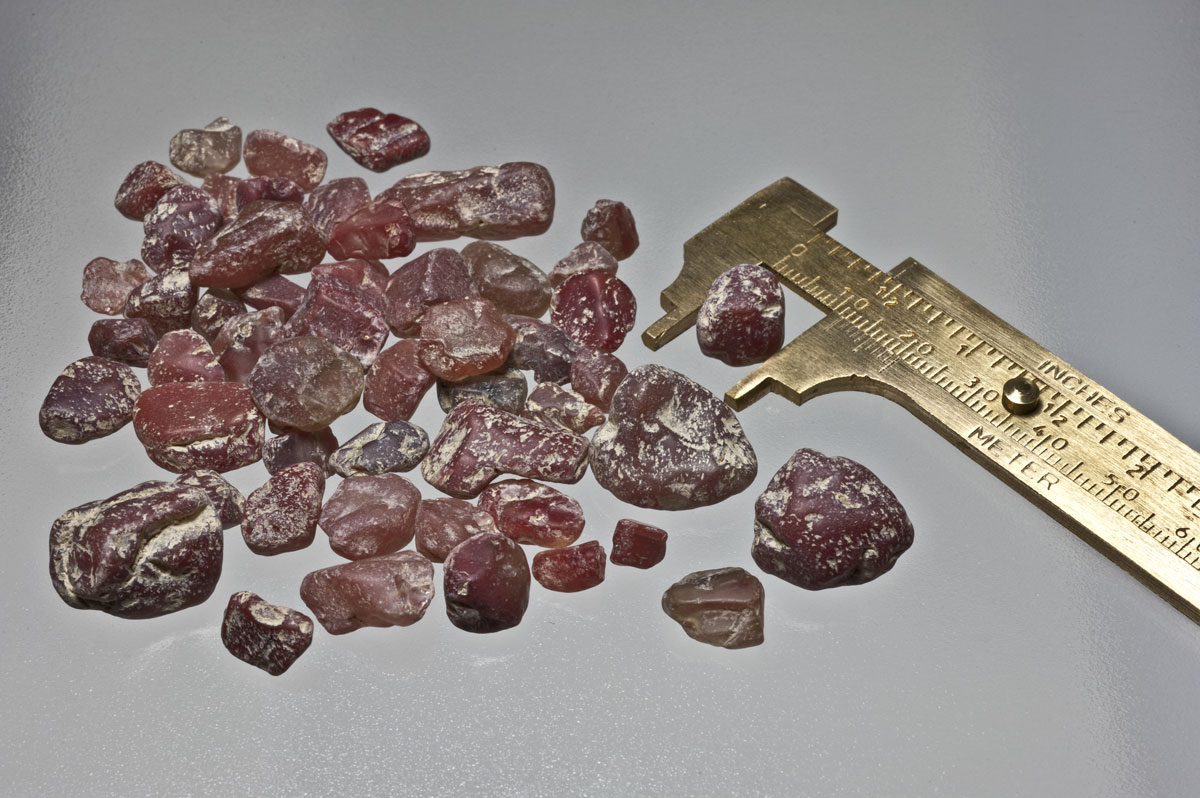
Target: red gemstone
{"points": [[595, 375], [183, 356], [512, 283], [281, 516], [165, 300], [377, 140], [390, 590], [571, 569], [343, 314], [91, 398], [182, 219], [542, 348], [396, 382], [266, 237], [213, 309], [610, 224], [267, 636], [444, 523], [253, 189], [595, 309], [553, 404], [439, 275], [379, 229], [305, 383], [529, 512], [275, 291], [464, 337], [486, 584], [271, 153], [107, 284], [330, 203], [587, 257], [189, 425], [370, 514], [637, 544], [143, 187], [128, 341]]}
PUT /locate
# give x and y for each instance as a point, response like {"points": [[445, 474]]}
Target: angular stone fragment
{"points": [[266, 237], [271, 153], [444, 523], [722, 607], [741, 319], [529, 512], [542, 348], [213, 150], [223, 189], [377, 140], [553, 404], [670, 444], [637, 544], [343, 314], [367, 275], [147, 551], [183, 356], [244, 339], [595, 309], [378, 229], [107, 283], [571, 569], [486, 583], [330, 203], [91, 398], [396, 382], [477, 442], [179, 222], [274, 291], [226, 499], [464, 337], [253, 189], [300, 447], [489, 202], [595, 375], [610, 224], [165, 300], [192, 425], [586, 257], [370, 514], [439, 275], [267, 636], [128, 341], [512, 283], [282, 515], [503, 389], [143, 187], [390, 590], [825, 521], [382, 447], [305, 383], [213, 309]]}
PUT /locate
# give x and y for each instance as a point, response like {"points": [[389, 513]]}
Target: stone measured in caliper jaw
{"points": [[741, 320]]}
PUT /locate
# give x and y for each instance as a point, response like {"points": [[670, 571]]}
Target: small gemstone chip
{"points": [[722, 607], [215, 149], [595, 309], [267, 636], [638, 545], [610, 224], [282, 515], [529, 512], [571, 569]]}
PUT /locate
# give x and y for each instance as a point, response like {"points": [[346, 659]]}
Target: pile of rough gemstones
{"points": [[246, 363]]}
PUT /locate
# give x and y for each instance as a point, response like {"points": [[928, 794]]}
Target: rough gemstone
{"points": [[610, 224], [300, 447], [377, 229], [542, 348], [553, 404], [529, 512], [305, 383], [464, 337], [107, 283], [267, 636], [370, 514], [477, 442], [512, 283], [444, 523], [215, 149], [382, 447], [486, 583], [147, 551], [347, 316], [825, 521], [223, 189], [181, 220], [143, 187], [503, 389], [274, 291], [722, 607], [281, 515], [377, 140], [396, 382], [439, 275], [586, 257], [266, 237], [128, 341], [490, 202], [271, 153], [191, 425], [670, 444], [595, 375], [226, 499], [638, 545], [595, 309], [368, 275], [253, 189], [330, 203], [91, 398], [213, 309], [390, 590], [571, 569], [741, 319], [244, 339], [183, 356], [165, 300]]}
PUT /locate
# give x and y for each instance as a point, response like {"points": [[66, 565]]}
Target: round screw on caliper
{"points": [[1020, 396]]}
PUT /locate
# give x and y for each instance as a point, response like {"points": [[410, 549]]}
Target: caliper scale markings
{"points": [[1105, 471]]}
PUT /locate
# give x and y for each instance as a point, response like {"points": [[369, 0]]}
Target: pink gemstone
{"points": [[529, 512], [343, 314], [595, 309], [330, 203], [183, 356], [107, 283], [299, 447], [595, 375], [377, 230], [464, 337], [128, 341], [571, 569], [390, 590], [610, 224], [439, 275], [741, 320], [91, 398], [551, 403], [266, 237], [444, 523], [305, 383], [281, 516], [190, 425], [396, 382], [183, 219], [377, 140], [512, 283], [267, 636], [637, 544], [370, 514], [213, 309], [244, 339], [215, 149], [271, 153], [486, 584], [143, 187], [275, 291], [586, 257], [223, 189], [226, 499], [165, 300]]}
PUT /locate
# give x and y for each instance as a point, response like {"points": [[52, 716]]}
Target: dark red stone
{"points": [[553, 404], [143, 187], [378, 229], [439, 275], [281, 516], [330, 203], [610, 224], [183, 356], [377, 140], [274, 291], [370, 514], [271, 153], [542, 348], [464, 337], [571, 569], [226, 499], [266, 237], [181, 220], [529, 512], [305, 383], [444, 523], [586, 257], [595, 309], [503, 389], [128, 341], [267, 636], [165, 300], [223, 189], [91, 398], [396, 382], [512, 283], [595, 375], [107, 283], [741, 319], [253, 189], [192, 425], [244, 339], [638, 545], [300, 447], [486, 583], [213, 309], [215, 149], [382, 447], [390, 590], [343, 314]]}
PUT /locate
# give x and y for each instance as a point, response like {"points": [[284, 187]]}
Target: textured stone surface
{"points": [[444, 523], [571, 569], [223, 189], [282, 514], [378, 229], [553, 404], [182, 219], [542, 348], [267, 636], [165, 300], [343, 314], [214, 149], [380, 448], [610, 224], [529, 512], [595, 309], [269, 152], [226, 499], [489, 202], [595, 375], [330, 203], [722, 607], [253, 189], [91, 398], [147, 551], [512, 283], [305, 383], [107, 283], [477, 442], [143, 187], [367, 275], [128, 341], [464, 337], [390, 590], [586, 257], [440, 275], [670, 444], [396, 382], [486, 584], [183, 356], [638, 545], [741, 319], [503, 389], [268, 236], [370, 514], [300, 447], [273, 291], [377, 140], [244, 339], [826, 521], [190, 425], [215, 307]]}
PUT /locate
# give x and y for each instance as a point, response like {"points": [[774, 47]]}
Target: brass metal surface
{"points": [[1083, 455]]}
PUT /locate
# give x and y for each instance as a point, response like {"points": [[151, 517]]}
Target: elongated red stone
{"points": [[542, 348], [91, 398], [330, 203], [440, 275], [444, 523], [377, 140], [183, 356], [268, 636], [741, 319], [266, 237], [489, 202], [486, 584], [512, 283], [529, 512], [226, 499], [595, 375], [143, 187], [721, 607], [269, 152], [215, 149], [396, 382], [182, 219], [610, 224], [571, 569], [638, 545], [281, 516], [553, 404], [305, 383], [390, 590], [165, 301], [595, 309], [379, 229], [464, 337], [370, 514], [191, 425], [107, 283], [253, 189], [128, 341], [586, 257]]}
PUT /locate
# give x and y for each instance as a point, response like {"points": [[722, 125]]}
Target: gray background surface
{"points": [[1044, 157]]}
